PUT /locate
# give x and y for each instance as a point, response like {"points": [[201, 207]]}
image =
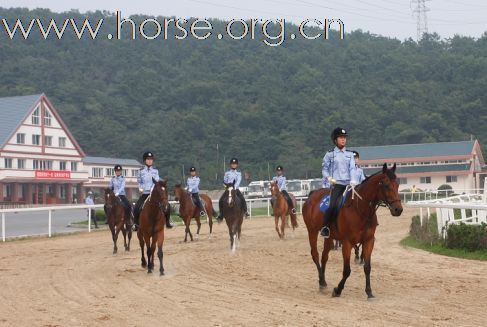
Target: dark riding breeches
{"points": [[197, 201], [336, 192], [288, 199], [138, 207], [239, 195]]}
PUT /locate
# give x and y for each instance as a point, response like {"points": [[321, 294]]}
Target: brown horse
{"points": [[281, 210], [152, 222], [233, 212], [116, 219], [187, 210], [356, 223]]}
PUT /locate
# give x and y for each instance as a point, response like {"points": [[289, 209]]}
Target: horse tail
{"points": [[294, 220]]}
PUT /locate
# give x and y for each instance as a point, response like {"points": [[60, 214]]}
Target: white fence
{"points": [[252, 206], [464, 208]]}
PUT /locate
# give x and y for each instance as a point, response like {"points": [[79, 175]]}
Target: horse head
{"points": [[178, 192], [159, 192], [230, 187], [110, 198], [274, 189], [388, 190]]}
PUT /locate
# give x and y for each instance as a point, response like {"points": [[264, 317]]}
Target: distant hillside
{"points": [[264, 105]]}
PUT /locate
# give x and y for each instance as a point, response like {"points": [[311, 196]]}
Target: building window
{"points": [[47, 118], [8, 162], [21, 163], [35, 164], [42, 164], [62, 165], [425, 180], [7, 190], [97, 172], [36, 139], [134, 172], [47, 140], [62, 191], [451, 179], [35, 117], [124, 172], [62, 142], [74, 166], [402, 181], [109, 172], [20, 138]]}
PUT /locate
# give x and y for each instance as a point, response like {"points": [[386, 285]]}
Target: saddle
{"points": [[325, 202]]}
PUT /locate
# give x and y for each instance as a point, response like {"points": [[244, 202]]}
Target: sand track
{"points": [[76, 281]]}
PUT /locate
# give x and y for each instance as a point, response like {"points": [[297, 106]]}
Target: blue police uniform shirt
{"points": [[359, 172], [117, 184], [340, 165], [193, 183], [281, 182], [144, 178], [89, 201], [233, 175]]}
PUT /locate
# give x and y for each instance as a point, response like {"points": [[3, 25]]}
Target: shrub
{"points": [[467, 237], [427, 232]]}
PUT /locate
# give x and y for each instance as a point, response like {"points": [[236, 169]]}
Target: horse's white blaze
{"points": [[230, 195]]}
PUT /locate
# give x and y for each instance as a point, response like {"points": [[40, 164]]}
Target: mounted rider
{"points": [[192, 187], [339, 170], [117, 185], [144, 178], [280, 180], [233, 175]]}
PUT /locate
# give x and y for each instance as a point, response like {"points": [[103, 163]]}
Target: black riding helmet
{"points": [[234, 161], [279, 168], [337, 132], [117, 167], [191, 169], [356, 154], [148, 155]]}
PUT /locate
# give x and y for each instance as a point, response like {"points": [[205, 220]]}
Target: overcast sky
{"points": [[393, 18]]}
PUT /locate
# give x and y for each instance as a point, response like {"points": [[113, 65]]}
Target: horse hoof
{"points": [[114, 251], [149, 271], [335, 293], [370, 297], [143, 264], [161, 273]]}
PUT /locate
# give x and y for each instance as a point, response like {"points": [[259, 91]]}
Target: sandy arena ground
{"points": [[76, 281]]}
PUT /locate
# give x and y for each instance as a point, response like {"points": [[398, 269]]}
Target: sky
{"points": [[391, 18]]}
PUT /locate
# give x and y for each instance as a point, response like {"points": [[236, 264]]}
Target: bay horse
{"points": [[356, 223], [188, 210], [152, 221], [281, 210], [116, 220], [233, 212]]}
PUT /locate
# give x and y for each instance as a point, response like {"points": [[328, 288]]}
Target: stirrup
{"points": [[293, 210], [135, 227], [325, 232], [202, 213]]}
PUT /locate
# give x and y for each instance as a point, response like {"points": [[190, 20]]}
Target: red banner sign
{"points": [[53, 174]]}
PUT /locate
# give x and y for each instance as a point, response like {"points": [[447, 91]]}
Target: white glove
{"points": [[141, 190], [332, 180], [116, 194]]}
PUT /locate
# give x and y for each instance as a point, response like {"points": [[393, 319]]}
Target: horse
{"points": [[188, 210], [356, 223], [116, 219], [152, 221], [233, 213], [281, 210]]}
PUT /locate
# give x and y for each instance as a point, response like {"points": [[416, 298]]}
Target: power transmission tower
{"points": [[420, 11]]}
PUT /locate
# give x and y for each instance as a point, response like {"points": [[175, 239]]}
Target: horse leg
{"points": [[142, 244], [124, 233], [346, 252], [150, 253], [367, 248], [198, 223], [114, 238], [160, 241], [276, 222], [129, 232], [210, 219], [284, 222], [313, 243], [327, 246], [356, 250]]}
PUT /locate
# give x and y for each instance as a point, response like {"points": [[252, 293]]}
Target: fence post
{"points": [[301, 205], [250, 209], [268, 207], [421, 216], [49, 223], [3, 226], [89, 220]]}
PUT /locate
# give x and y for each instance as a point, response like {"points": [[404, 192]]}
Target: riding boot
{"points": [[167, 213], [325, 230]]}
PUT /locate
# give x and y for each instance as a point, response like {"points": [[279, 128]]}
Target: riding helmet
{"points": [[356, 154], [117, 167], [279, 168], [148, 155], [338, 132], [234, 161], [192, 169]]}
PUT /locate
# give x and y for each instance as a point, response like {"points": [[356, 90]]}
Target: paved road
{"points": [[36, 223]]}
